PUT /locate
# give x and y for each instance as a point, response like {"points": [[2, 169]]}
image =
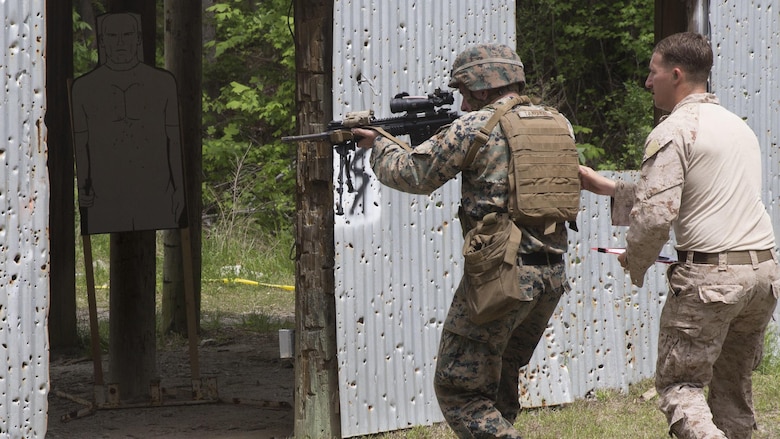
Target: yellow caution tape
{"points": [[255, 283]]}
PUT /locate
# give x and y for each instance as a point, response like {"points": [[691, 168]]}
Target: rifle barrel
{"points": [[302, 137]]}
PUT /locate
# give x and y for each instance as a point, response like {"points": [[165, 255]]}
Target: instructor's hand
{"points": [[623, 259], [592, 181]]}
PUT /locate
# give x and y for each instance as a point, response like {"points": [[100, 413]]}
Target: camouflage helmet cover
{"points": [[487, 66]]}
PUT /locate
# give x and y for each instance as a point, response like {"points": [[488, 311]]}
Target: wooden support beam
{"points": [[316, 362]]}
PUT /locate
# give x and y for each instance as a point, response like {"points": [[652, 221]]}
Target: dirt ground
{"points": [[254, 394]]}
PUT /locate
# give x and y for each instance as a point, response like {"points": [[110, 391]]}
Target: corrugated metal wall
{"points": [[24, 201], [398, 255], [746, 78]]}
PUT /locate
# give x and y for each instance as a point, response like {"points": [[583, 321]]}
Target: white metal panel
{"points": [[606, 328], [397, 255], [24, 201], [745, 35]]}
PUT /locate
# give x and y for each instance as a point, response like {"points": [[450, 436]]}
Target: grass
{"points": [[613, 415], [248, 277], [238, 266], [246, 280]]}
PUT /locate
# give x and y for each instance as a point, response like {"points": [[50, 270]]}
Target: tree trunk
{"points": [[132, 341], [671, 16], [183, 58], [316, 366], [62, 221], [209, 30]]}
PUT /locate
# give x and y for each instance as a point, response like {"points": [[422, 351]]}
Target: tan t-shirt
{"points": [[701, 174]]}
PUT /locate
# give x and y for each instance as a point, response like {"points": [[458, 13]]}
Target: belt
{"points": [[732, 258], [541, 258]]}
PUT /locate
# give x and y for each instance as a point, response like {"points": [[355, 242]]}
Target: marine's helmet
{"points": [[487, 66]]}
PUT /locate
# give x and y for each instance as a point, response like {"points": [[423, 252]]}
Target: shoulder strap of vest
{"points": [[394, 139], [483, 134]]}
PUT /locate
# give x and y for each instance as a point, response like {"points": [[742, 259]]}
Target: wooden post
{"points": [[132, 324], [316, 362], [183, 58], [62, 245], [132, 353]]}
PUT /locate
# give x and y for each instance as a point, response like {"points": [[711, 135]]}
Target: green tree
{"points": [[85, 55], [248, 102], [590, 60]]}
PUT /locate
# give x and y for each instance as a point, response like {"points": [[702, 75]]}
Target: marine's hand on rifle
{"points": [[423, 117], [365, 138]]}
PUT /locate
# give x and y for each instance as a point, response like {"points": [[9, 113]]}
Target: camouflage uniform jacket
{"points": [[701, 165], [484, 187]]}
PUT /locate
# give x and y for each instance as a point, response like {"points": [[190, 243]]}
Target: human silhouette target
{"points": [[127, 139]]}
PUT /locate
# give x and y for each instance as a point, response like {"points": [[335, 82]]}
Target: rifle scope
{"points": [[416, 104]]}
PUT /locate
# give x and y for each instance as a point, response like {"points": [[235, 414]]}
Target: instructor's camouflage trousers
{"points": [[477, 371], [712, 334]]}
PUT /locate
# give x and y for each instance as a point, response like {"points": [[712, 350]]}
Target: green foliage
{"points": [[243, 250], [248, 105], [630, 125], [85, 55], [590, 60], [84, 333], [264, 323], [239, 250], [770, 363]]}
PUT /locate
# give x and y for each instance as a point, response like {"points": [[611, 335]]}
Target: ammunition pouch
{"points": [[492, 276]]}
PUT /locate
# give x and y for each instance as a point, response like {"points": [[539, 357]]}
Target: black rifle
{"points": [[423, 119]]}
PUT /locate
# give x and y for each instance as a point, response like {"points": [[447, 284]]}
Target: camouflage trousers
{"points": [[477, 371], [712, 335]]}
